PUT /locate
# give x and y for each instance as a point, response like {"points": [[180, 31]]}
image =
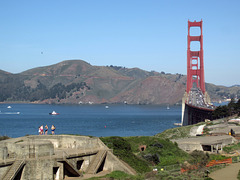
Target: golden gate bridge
{"points": [[196, 104]]}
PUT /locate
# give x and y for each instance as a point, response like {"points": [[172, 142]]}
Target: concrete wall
{"points": [[38, 169], [190, 147], [69, 141], [87, 160], [44, 149], [3, 170], [24, 148], [3, 152], [112, 163]]}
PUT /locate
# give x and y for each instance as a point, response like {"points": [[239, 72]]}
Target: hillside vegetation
{"points": [[160, 154], [76, 81]]}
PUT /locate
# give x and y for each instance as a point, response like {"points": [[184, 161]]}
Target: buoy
{"points": [[105, 126]]}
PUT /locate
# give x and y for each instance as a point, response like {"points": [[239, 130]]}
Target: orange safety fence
{"points": [[211, 163], [216, 162]]}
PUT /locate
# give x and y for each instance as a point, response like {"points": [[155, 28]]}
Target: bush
{"points": [[200, 158], [122, 149]]}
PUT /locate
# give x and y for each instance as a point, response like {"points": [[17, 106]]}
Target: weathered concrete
{"points": [[197, 143], [56, 157], [224, 129]]}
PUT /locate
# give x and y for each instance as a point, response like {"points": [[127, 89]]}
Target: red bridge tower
{"points": [[195, 66], [196, 103]]}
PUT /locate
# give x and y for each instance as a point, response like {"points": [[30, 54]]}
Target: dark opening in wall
{"points": [[79, 164]]}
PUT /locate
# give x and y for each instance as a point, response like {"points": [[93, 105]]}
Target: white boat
{"points": [[9, 107], [54, 113], [106, 107], [168, 107]]}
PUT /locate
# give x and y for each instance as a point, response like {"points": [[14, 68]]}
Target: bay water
{"points": [[91, 120]]}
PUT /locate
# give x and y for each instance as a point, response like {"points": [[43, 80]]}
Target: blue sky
{"points": [[149, 34]]}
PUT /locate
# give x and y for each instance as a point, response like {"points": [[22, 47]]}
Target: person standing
{"points": [[46, 130], [41, 128], [53, 129]]}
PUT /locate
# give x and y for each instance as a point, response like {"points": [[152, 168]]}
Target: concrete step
{"points": [[14, 169], [96, 162]]}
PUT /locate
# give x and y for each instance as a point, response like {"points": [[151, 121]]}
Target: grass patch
{"points": [[231, 148], [119, 175], [217, 157], [175, 133], [19, 141]]}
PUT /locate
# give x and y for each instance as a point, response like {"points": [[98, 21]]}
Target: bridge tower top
{"points": [[195, 65]]}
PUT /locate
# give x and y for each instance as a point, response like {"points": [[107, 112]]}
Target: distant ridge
{"points": [[78, 82], [4, 72], [236, 85]]}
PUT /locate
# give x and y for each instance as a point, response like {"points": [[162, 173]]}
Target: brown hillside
{"points": [[76, 81]]}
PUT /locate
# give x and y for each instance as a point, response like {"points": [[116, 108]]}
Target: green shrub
{"points": [[217, 157], [200, 158], [122, 149]]}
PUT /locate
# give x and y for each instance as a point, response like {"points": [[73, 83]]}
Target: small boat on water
{"points": [[9, 107], [54, 113]]}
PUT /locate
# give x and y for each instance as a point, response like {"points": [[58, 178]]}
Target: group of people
{"points": [[40, 130]]}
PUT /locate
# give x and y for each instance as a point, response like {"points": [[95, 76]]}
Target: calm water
{"points": [[94, 120]]}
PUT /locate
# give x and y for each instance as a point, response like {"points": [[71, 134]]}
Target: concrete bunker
{"points": [[213, 144], [213, 148], [56, 157]]}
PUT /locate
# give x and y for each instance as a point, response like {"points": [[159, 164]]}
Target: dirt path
{"points": [[229, 172]]}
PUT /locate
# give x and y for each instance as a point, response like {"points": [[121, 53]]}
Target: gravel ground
{"points": [[228, 173]]}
